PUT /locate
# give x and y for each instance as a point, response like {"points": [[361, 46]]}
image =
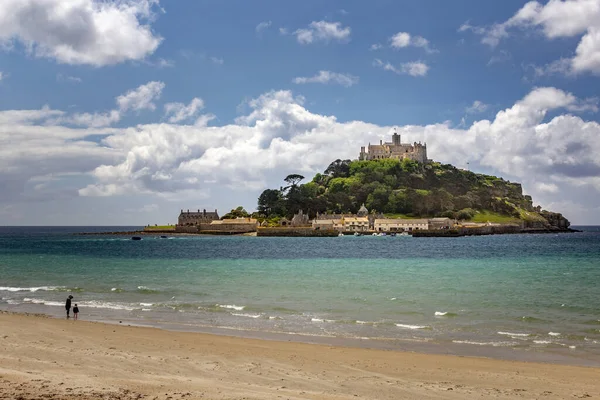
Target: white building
{"points": [[401, 225], [344, 224]]}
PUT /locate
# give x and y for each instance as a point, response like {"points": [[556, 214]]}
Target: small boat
{"points": [[136, 238], [163, 237], [393, 234], [403, 234], [340, 234], [357, 234], [382, 234], [374, 234]]}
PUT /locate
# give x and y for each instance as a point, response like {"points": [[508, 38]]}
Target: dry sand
{"points": [[46, 358]]}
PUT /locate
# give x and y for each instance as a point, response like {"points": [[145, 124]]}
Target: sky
{"points": [[124, 112]]}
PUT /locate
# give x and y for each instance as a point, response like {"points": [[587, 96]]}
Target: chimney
{"points": [[380, 142]]}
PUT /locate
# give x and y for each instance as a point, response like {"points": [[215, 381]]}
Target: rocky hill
{"points": [[406, 189]]}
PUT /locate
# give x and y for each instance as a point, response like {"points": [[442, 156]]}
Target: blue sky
{"points": [[283, 87]]}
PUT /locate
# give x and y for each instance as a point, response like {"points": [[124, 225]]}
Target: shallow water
{"points": [[519, 296]]}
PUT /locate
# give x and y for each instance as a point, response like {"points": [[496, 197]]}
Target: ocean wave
{"points": [[247, 315], [495, 344], [101, 304], [116, 290], [514, 335], [542, 341], [405, 326], [146, 304], [44, 302], [445, 314], [68, 289], [82, 304], [231, 306], [553, 333], [28, 289]]}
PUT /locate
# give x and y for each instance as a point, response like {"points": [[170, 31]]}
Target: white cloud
{"points": [[82, 31], [376, 46], [546, 187], [416, 69], [477, 107], [404, 39], [323, 31], [67, 78], [325, 77], [283, 31], [95, 120], [178, 112], [263, 25], [553, 159], [138, 99], [1, 75], [217, 60], [557, 19], [501, 57], [141, 98], [164, 63]]}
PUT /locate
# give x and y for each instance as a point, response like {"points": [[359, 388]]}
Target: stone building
{"points": [[300, 219], [362, 221], [394, 150], [400, 225], [191, 218], [441, 223]]}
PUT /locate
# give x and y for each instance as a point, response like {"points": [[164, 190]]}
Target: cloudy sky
{"points": [[124, 112]]}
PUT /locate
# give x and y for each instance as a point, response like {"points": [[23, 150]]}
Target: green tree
{"points": [[236, 213], [270, 203], [338, 169]]}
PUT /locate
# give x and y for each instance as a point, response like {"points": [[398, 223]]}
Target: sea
{"points": [[531, 297]]}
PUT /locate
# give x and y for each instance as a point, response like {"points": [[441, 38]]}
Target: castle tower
{"points": [[395, 139]]}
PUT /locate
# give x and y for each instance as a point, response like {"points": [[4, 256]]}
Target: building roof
{"points": [[402, 221], [200, 213], [240, 220], [440, 219], [324, 221], [356, 219]]}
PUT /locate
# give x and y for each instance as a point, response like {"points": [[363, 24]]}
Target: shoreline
{"points": [[73, 359], [422, 234], [414, 345]]}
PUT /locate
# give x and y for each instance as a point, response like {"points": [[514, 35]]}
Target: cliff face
{"points": [[555, 220]]}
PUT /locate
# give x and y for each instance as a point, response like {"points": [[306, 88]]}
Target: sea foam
{"points": [[231, 307], [412, 326], [247, 315], [28, 289], [514, 334], [494, 344]]}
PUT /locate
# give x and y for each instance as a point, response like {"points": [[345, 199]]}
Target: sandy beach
{"points": [[47, 358]]}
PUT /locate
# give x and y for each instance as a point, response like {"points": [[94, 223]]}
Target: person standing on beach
{"points": [[75, 312], [68, 305]]}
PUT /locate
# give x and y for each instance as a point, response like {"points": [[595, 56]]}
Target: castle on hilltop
{"points": [[395, 150]]}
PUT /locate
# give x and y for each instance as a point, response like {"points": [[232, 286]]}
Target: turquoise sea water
{"points": [[511, 296]]}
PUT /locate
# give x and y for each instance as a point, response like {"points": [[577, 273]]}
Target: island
{"points": [[392, 188]]}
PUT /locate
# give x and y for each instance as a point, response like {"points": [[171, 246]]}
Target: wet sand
{"points": [[48, 358]]}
